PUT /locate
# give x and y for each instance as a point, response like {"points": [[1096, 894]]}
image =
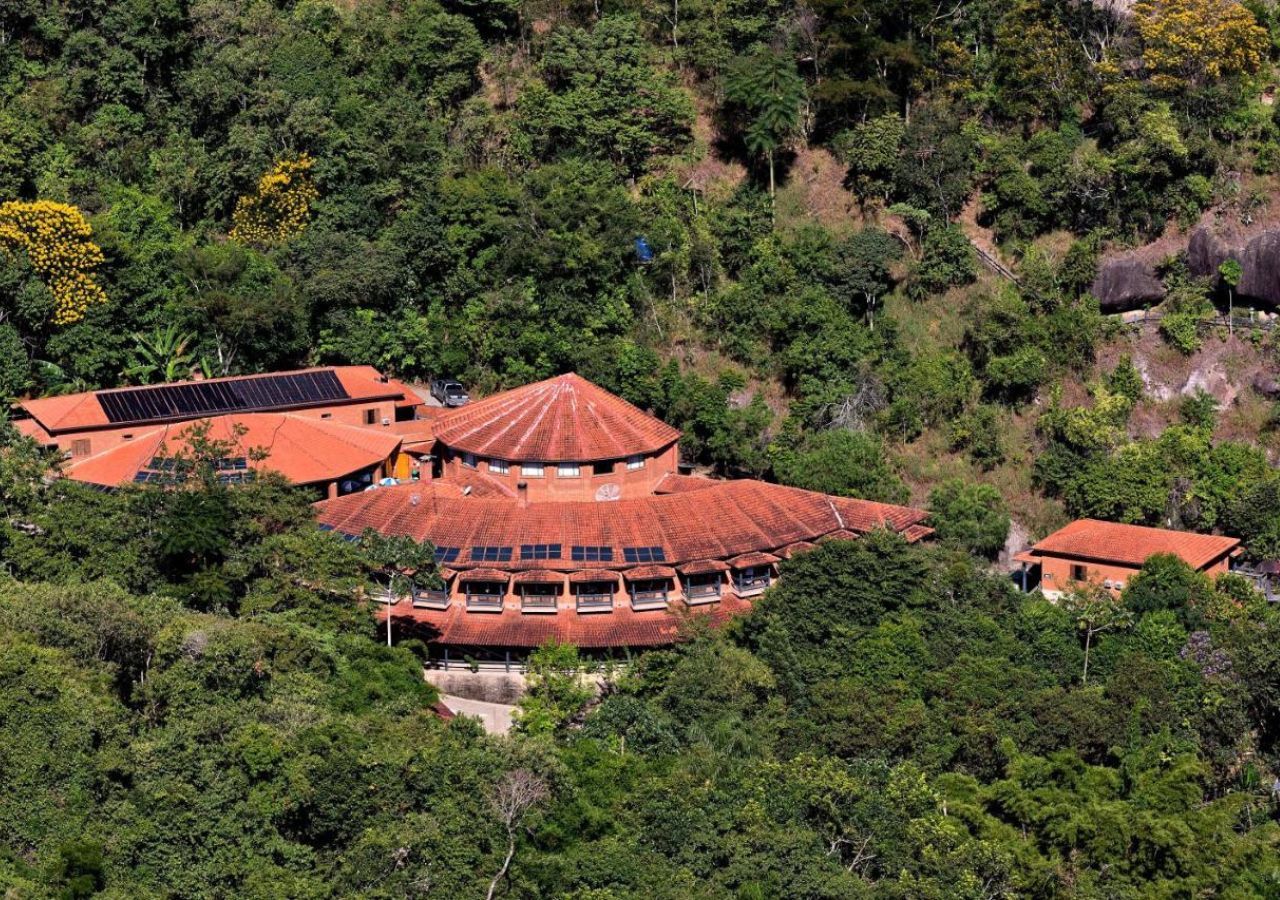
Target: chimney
{"points": [[522, 493]]}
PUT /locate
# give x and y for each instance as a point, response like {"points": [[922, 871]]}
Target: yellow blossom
{"points": [[55, 238], [281, 205]]}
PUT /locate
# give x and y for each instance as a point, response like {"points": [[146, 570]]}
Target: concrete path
{"points": [[496, 717]]}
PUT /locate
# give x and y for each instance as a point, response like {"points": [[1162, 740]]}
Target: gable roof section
{"points": [[303, 450], [723, 520], [246, 393], [562, 419], [1132, 545]]}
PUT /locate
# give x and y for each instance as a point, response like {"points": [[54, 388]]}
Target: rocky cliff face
{"points": [[1130, 282], [1259, 261]]}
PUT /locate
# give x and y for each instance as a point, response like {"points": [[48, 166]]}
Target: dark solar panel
{"points": [[540, 551], [446, 554], [643, 554], [491, 554], [592, 554], [204, 398]]}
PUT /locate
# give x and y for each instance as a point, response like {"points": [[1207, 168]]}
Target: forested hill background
{"points": [[456, 189], [757, 218]]}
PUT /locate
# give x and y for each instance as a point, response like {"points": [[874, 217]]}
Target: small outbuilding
{"points": [[1109, 554]]}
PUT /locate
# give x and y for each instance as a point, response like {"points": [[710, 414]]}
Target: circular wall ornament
{"points": [[608, 492]]}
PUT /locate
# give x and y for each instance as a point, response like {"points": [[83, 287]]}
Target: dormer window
{"points": [[635, 462], [469, 460], [499, 466], [568, 470], [531, 470]]}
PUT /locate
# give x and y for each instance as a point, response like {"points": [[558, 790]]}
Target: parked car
{"points": [[449, 393]]}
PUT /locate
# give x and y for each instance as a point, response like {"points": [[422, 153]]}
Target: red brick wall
{"points": [[1056, 578], [585, 485]]}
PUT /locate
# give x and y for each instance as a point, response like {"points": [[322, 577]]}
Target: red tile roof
{"points": [[674, 484], [648, 573], [703, 567], [723, 521], [539, 576], [562, 419], [74, 412], [755, 558], [1132, 545], [303, 450], [593, 575], [623, 627]]}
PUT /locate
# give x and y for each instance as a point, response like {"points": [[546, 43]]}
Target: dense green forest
{"points": [[193, 706], [190, 703]]}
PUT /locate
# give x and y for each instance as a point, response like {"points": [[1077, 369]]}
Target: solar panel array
{"points": [[447, 554], [540, 551], [592, 554], [491, 554], [643, 554], [172, 470], [209, 398]]}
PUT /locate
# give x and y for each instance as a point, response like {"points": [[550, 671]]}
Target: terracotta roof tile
{"points": [[726, 520], [484, 575], [674, 484], [585, 576], [303, 450], [566, 418], [754, 558], [703, 567], [648, 573], [1132, 545], [539, 576]]}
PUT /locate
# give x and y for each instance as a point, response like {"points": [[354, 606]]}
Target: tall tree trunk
{"points": [[506, 864]]}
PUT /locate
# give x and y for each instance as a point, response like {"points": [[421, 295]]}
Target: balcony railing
{"points": [[538, 603], [484, 602], [431, 598], [588, 603], [750, 585], [649, 599], [707, 592]]}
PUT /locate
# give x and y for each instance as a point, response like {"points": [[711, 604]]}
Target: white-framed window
{"points": [[531, 470], [499, 466], [469, 460], [635, 462], [568, 470]]}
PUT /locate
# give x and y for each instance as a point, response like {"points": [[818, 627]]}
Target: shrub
{"points": [[970, 517]]}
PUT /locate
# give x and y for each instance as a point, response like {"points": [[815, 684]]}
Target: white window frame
{"points": [[568, 470], [499, 467], [635, 462], [532, 470]]}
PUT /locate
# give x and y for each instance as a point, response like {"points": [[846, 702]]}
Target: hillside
{"points": [[760, 221]]}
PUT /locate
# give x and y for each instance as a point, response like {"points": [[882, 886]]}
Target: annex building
{"points": [[557, 511], [337, 429], [1109, 554]]}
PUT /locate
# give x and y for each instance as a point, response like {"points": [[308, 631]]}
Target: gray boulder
{"points": [[1126, 283], [1267, 386], [1259, 263]]}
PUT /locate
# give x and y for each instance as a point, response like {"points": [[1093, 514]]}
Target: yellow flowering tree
{"points": [[1188, 43], [55, 239], [280, 206]]}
